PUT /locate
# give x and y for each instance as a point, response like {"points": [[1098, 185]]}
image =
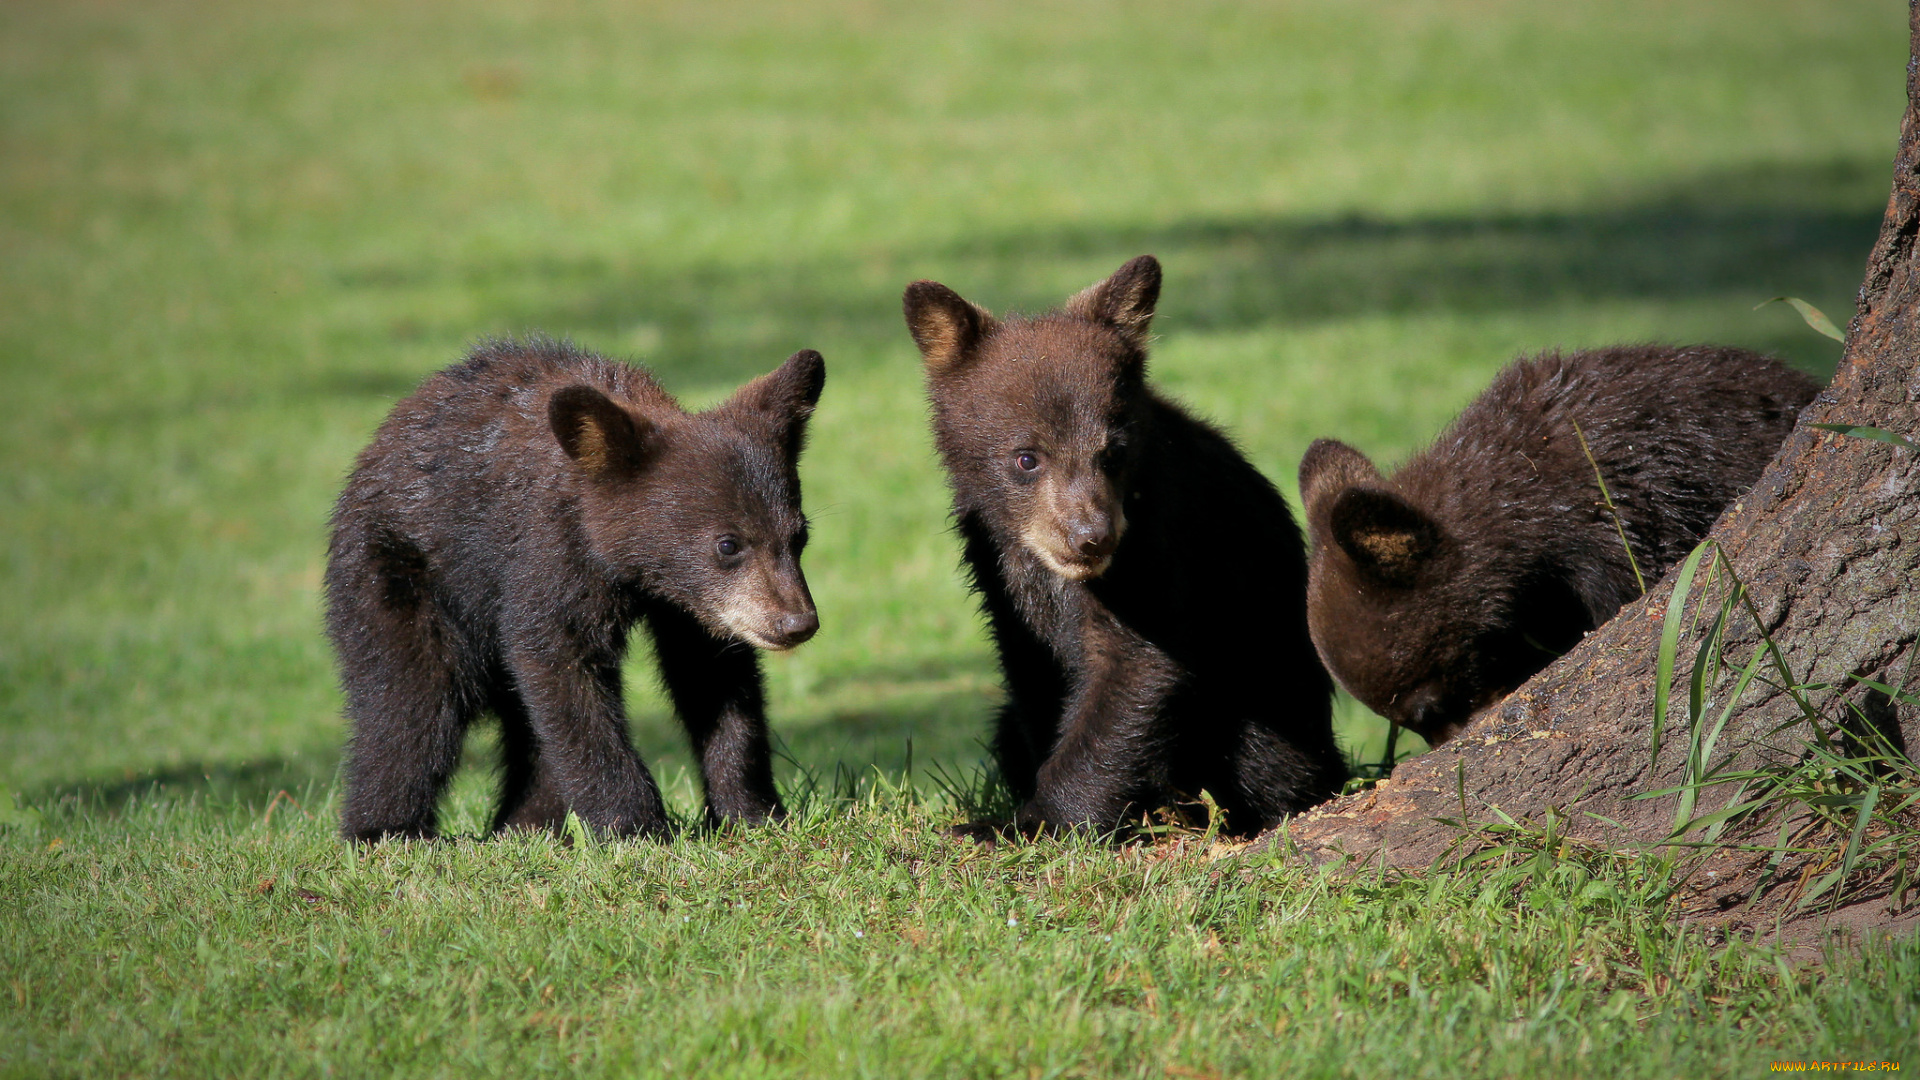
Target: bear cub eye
{"points": [[1026, 461], [728, 547]]}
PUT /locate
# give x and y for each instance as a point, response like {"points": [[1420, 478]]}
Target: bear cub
{"points": [[509, 523], [1439, 590], [1144, 584]]}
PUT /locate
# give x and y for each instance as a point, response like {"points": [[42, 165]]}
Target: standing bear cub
{"points": [[1144, 584], [507, 526], [1438, 591]]}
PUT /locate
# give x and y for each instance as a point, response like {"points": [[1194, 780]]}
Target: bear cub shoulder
{"points": [[1440, 589], [509, 523], [1144, 584]]}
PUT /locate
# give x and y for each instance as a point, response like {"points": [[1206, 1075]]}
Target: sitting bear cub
{"points": [[1438, 591], [509, 523], [1144, 584]]}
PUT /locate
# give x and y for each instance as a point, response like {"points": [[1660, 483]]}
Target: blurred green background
{"points": [[235, 234]]}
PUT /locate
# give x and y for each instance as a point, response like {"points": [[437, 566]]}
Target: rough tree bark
{"points": [[1829, 543]]}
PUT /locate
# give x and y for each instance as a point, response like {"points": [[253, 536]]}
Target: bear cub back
{"points": [[1439, 590], [508, 524], [1144, 584]]}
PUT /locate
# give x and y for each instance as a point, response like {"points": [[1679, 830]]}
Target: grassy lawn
{"points": [[236, 233]]}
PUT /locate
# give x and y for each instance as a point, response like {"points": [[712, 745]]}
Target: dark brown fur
{"points": [[1441, 589], [509, 523], [1143, 582]]}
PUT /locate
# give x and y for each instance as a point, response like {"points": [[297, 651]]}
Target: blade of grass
{"points": [[1670, 639], [1606, 499], [1847, 857], [1705, 669], [1699, 760], [1813, 315], [1860, 431]]}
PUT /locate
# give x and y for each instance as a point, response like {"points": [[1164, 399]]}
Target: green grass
{"points": [[235, 233], [198, 939]]}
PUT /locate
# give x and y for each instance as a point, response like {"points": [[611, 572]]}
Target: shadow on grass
{"points": [[933, 739], [926, 724], [305, 777], [1745, 235], [942, 727]]}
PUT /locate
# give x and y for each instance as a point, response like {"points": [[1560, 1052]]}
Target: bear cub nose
{"points": [[796, 627], [1095, 541], [1424, 710]]}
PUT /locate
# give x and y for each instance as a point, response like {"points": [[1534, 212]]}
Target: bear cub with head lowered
{"points": [[1439, 590], [509, 523], [1144, 584]]}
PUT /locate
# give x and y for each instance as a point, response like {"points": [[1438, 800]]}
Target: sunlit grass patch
{"points": [[236, 233]]}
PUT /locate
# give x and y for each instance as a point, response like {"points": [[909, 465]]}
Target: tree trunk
{"points": [[1828, 543]]}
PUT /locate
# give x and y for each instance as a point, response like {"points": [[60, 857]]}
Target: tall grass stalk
{"points": [[1606, 499], [1843, 794]]}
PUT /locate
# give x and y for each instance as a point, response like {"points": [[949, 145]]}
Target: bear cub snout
{"points": [[1440, 589], [1140, 659], [508, 524]]}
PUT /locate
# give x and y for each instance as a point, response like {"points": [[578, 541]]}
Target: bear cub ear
{"points": [[1382, 533], [790, 390], [1329, 468], [1124, 301], [947, 328], [600, 436], [788, 394]]}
